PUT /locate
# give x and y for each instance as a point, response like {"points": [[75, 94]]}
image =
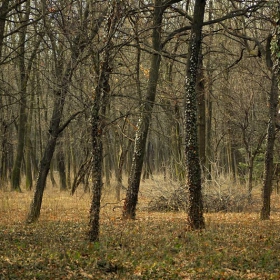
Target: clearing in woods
{"points": [[155, 246]]}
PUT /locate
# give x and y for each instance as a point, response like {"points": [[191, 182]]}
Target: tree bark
{"points": [[268, 168], [200, 89], [97, 125], [3, 14], [195, 208], [55, 128], [129, 208], [16, 173], [60, 157], [273, 54], [97, 120]]}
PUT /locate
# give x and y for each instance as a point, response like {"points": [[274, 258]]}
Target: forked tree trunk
{"points": [[195, 208]]}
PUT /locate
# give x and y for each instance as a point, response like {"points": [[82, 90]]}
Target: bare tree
{"points": [[64, 76]]}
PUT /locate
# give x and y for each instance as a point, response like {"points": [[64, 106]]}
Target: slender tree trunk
{"points": [[195, 208], [28, 162], [16, 173], [97, 126], [4, 126], [268, 169], [55, 129], [250, 178], [3, 14], [97, 121], [200, 88], [273, 55], [129, 208], [97, 153], [60, 157], [35, 206]]}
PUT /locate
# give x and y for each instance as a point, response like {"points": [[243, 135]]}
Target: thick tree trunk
{"points": [[195, 209], [129, 208]]}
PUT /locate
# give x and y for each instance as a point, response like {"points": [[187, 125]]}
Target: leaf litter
{"points": [[155, 246]]}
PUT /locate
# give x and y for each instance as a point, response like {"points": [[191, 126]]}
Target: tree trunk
{"points": [[16, 173], [3, 14], [129, 208], [272, 55], [97, 152], [97, 121], [55, 129], [268, 168], [61, 168], [200, 89], [97, 126], [195, 208], [35, 206]]}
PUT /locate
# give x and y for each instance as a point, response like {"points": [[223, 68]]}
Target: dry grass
{"points": [[155, 246]]}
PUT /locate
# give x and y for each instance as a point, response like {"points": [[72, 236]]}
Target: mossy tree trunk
{"points": [[98, 111], [195, 209]]}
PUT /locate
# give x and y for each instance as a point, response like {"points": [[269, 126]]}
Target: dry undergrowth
{"points": [[155, 246]]}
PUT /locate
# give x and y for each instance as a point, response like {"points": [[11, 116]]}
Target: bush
{"points": [[213, 202]]}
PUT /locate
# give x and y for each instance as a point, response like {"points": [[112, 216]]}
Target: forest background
{"points": [[83, 81]]}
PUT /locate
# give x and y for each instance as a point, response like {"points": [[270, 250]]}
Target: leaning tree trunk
{"points": [[129, 208], [35, 206], [195, 209], [55, 128]]}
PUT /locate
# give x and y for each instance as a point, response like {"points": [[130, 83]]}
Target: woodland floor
{"points": [[155, 246]]}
